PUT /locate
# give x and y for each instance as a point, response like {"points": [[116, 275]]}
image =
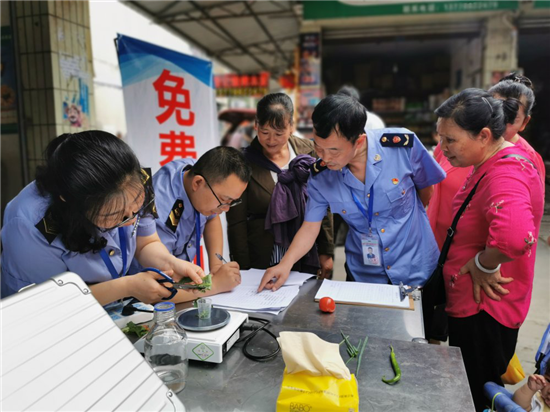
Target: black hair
{"points": [[340, 113], [472, 110], [219, 163], [275, 110], [350, 91], [512, 88], [84, 174]]}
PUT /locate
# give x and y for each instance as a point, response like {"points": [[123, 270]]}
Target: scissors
{"points": [[167, 279]]}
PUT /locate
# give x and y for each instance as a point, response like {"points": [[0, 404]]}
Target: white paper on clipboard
{"points": [[368, 294], [61, 351]]}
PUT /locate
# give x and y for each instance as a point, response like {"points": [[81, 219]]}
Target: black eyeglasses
{"points": [[231, 204], [129, 219]]}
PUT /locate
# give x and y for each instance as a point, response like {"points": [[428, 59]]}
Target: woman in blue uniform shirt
{"points": [[89, 211], [379, 182]]}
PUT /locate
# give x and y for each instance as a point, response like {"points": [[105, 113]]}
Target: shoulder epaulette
{"points": [[149, 189], [175, 215], [318, 167], [397, 140], [48, 228]]}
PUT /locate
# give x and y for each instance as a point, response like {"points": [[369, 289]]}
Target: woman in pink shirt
{"points": [[489, 270], [517, 93]]}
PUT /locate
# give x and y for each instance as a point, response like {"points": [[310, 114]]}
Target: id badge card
{"points": [[371, 250]]}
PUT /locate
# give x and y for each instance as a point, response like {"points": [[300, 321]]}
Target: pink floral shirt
{"points": [[440, 213], [535, 158], [504, 213]]}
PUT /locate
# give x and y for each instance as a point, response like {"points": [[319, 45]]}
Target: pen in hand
{"points": [[221, 258]]}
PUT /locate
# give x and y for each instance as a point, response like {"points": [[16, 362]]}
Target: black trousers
{"points": [[487, 348]]}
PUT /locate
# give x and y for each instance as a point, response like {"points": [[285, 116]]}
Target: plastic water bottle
{"points": [[166, 347]]}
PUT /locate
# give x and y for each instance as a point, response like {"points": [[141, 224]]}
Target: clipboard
{"points": [[61, 351], [365, 294]]}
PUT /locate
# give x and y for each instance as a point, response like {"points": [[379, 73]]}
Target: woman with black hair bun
{"points": [[516, 92], [488, 273], [89, 211]]}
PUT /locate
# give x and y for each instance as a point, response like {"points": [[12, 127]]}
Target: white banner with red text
{"points": [[170, 105], [169, 100]]}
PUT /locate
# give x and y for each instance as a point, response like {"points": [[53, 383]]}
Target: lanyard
{"points": [[368, 215], [123, 250], [198, 237]]}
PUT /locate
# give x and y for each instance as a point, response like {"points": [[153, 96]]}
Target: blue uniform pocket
{"points": [[401, 197]]}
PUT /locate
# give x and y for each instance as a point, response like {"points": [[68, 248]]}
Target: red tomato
{"points": [[327, 304]]}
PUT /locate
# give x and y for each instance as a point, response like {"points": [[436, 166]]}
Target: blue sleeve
{"points": [[316, 207], [426, 170], [27, 256], [146, 226], [167, 237]]}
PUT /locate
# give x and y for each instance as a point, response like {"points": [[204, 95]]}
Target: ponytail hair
{"points": [[512, 88]]}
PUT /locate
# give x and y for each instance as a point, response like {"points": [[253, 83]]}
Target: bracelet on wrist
{"points": [[483, 269]]}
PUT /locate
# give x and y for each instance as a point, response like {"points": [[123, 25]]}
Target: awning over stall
{"points": [[245, 36]]}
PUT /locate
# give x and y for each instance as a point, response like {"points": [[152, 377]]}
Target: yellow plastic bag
{"points": [[301, 392], [514, 373]]}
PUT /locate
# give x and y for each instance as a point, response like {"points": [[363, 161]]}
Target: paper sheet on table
{"points": [[369, 294], [247, 298], [252, 277]]}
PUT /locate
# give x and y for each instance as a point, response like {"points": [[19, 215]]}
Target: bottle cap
{"points": [[164, 306]]}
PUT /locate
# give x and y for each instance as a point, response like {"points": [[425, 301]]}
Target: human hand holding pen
{"points": [[221, 258], [230, 271]]}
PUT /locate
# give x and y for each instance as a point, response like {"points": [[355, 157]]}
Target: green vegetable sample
{"points": [[138, 330], [203, 287], [396, 369], [361, 355]]}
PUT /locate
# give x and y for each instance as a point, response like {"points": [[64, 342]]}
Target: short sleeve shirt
{"points": [[29, 257], [176, 215], [408, 249], [504, 213]]}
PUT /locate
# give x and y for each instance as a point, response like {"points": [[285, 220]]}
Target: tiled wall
{"points": [[56, 71]]}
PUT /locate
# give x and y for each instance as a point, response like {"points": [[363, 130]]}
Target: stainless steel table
{"points": [[433, 377], [380, 322]]}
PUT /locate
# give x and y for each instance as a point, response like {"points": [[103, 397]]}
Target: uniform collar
{"points": [[188, 209], [374, 159]]}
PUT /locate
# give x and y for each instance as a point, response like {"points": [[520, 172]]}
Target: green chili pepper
{"points": [[361, 356], [396, 369]]}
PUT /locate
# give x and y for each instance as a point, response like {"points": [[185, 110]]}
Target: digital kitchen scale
{"points": [[189, 320], [209, 345]]}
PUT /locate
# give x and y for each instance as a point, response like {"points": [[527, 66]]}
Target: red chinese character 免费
{"points": [[178, 98], [177, 145]]}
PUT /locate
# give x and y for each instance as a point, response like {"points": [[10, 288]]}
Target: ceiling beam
{"points": [[229, 50], [205, 7], [229, 35], [233, 16], [178, 32], [164, 10], [268, 34]]}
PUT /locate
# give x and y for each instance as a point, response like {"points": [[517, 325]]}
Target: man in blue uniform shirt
{"points": [[189, 196], [379, 181]]}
